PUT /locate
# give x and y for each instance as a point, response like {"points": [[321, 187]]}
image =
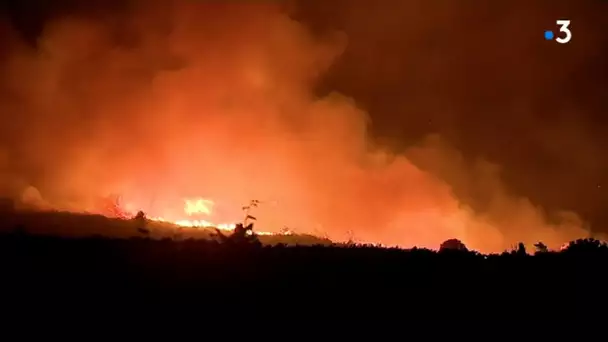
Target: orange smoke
{"points": [[190, 100]]}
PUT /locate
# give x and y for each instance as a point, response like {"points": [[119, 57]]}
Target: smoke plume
{"points": [[182, 100]]}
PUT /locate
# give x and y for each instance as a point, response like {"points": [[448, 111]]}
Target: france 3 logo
{"points": [[564, 35]]}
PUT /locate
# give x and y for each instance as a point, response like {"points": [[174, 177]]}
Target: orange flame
{"points": [[198, 206], [193, 209]]}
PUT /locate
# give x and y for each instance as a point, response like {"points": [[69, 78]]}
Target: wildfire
{"points": [[193, 210]]}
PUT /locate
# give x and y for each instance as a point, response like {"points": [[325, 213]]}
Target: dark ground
{"points": [[92, 275]]}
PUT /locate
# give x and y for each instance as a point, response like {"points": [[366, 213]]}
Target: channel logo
{"points": [[565, 35]]}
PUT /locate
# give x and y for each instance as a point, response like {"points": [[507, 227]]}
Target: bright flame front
{"points": [[193, 210]]}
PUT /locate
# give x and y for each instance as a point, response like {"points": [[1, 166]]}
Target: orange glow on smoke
{"points": [[189, 109]]}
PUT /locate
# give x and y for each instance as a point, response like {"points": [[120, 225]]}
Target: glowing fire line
{"points": [[202, 206]]}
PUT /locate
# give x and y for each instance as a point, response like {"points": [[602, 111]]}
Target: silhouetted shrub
{"points": [[541, 247], [453, 245], [586, 246], [241, 235]]}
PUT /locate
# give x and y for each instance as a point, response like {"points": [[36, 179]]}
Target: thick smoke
{"points": [[216, 101]]}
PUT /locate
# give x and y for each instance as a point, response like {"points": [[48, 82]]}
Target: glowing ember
{"points": [[195, 223]]}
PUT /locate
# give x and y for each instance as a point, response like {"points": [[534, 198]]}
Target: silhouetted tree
{"points": [[247, 210], [243, 233], [521, 249], [141, 222], [453, 245], [541, 247], [140, 216], [586, 246]]}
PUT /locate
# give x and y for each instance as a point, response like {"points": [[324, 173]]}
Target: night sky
{"points": [[479, 74]]}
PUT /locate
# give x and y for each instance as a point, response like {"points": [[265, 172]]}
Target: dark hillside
{"points": [[98, 271]]}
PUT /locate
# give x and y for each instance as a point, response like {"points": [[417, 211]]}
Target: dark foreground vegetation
{"points": [[245, 275], [48, 262]]}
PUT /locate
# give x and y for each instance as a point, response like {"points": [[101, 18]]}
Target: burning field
{"points": [[117, 223], [187, 111], [196, 214]]}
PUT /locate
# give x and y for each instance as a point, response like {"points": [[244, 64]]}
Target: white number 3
{"points": [[563, 27]]}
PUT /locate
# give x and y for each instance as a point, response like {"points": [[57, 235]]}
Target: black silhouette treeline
{"points": [[237, 271]]}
